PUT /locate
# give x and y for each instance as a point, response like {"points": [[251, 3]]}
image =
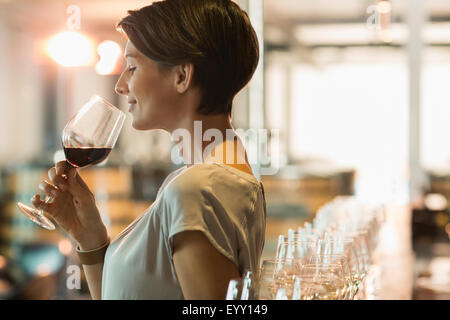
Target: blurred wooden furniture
{"points": [[308, 188], [112, 188], [20, 183], [440, 182], [294, 195]]}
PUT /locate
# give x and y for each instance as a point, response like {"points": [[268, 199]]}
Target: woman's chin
{"points": [[144, 126], [139, 127]]}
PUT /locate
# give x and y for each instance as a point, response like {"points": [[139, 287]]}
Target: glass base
{"points": [[36, 216]]}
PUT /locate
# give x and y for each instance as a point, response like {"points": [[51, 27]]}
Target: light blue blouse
{"points": [[226, 204]]}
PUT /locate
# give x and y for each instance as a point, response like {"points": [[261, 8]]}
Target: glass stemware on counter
{"points": [[328, 259]]}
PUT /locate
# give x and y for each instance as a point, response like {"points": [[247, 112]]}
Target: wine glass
{"points": [[240, 289], [295, 249], [278, 279], [87, 139], [350, 250], [244, 288], [341, 260], [322, 281]]}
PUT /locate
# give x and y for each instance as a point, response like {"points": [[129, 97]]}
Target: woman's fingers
{"points": [[48, 188], [37, 202], [76, 184], [58, 180], [61, 167], [67, 181]]}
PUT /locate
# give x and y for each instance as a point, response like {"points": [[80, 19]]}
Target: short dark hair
{"points": [[216, 36]]}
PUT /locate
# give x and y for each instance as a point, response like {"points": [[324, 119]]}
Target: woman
{"points": [[187, 59]]}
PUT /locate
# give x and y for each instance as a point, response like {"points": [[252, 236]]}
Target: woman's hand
{"points": [[73, 206]]}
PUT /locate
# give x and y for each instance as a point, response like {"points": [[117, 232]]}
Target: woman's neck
{"points": [[210, 138]]}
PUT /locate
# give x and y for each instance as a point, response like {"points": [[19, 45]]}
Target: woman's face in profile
{"points": [[150, 92]]}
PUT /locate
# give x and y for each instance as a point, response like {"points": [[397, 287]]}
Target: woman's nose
{"points": [[121, 86]]}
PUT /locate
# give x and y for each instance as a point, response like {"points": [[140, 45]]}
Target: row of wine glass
{"points": [[327, 259]]}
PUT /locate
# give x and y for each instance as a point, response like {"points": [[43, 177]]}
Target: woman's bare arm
{"points": [[94, 273], [203, 272], [94, 279]]}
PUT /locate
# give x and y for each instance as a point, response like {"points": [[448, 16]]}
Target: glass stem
{"points": [[41, 210]]}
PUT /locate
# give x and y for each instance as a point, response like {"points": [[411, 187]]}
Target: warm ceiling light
{"points": [[436, 202], [71, 49], [43, 270], [65, 247], [384, 7], [2, 262], [110, 53]]}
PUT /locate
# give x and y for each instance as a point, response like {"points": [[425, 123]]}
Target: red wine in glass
{"points": [[87, 139], [81, 157]]}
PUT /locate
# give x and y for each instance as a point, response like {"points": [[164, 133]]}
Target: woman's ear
{"points": [[184, 75]]}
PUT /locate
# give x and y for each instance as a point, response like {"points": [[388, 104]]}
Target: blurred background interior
{"points": [[357, 89]]}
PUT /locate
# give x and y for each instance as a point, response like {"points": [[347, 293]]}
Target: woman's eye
{"points": [[131, 69]]}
